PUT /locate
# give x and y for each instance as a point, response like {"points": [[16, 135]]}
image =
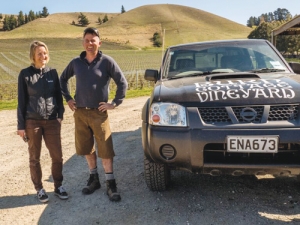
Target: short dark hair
{"points": [[91, 30]]}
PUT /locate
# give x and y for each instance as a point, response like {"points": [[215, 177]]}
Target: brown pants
{"points": [[90, 124], [50, 131]]}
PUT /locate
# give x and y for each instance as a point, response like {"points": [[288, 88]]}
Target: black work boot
{"points": [[112, 192], [92, 185]]}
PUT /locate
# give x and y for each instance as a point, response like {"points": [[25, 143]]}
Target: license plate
{"points": [[252, 144]]}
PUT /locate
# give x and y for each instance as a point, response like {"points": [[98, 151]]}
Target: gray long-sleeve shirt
{"points": [[92, 80]]}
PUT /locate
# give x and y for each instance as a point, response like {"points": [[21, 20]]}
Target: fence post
{"points": [[136, 86]]}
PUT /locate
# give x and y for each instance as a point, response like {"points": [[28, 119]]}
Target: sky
{"points": [[235, 10]]}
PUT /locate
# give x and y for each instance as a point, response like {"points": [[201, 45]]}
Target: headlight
{"points": [[167, 114]]}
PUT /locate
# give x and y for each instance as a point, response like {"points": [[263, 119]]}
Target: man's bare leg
{"points": [[91, 160]]}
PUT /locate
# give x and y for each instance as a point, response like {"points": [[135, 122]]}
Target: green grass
{"points": [[8, 105], [12, 104], [137, 93], [293, 60]]}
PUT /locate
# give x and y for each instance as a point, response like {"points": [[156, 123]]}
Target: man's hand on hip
{"points": [[104, 106]]}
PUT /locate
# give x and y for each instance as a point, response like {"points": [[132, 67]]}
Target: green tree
{"points": [[123, 9], [31, 16], [294, 44], [21, 19], [99, 20], [6, 25], [13, 22], [263, 31], [251, 22], [284, 44], [277, 15], [156, 39], [9, 23], [282, 14], [26, 18], [1, 16], [83, 20], [45, 12], [271, 17], [105, 19]]}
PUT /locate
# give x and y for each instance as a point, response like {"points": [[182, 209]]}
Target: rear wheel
{"points": [[157, 175]]}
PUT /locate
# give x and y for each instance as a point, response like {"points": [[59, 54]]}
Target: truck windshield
{"points": [[222, 57]]}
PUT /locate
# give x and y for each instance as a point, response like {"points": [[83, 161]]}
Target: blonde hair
{"points": [[33, 47]]}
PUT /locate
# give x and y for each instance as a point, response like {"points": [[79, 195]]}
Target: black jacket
{"points": [[39, 95]]}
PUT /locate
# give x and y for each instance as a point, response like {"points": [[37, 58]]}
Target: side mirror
{"points": [[295, 67], [151, 75]]}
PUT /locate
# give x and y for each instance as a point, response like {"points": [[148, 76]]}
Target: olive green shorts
{"points": [[90, 124]]}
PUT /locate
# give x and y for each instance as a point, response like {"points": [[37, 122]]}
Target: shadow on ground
{"points": [[191, 198]]}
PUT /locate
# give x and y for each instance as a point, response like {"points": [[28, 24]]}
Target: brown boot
{"points": [[92, 185], [112, 192]]}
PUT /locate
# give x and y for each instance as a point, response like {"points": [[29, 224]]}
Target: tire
{"points": [[157, 175]]}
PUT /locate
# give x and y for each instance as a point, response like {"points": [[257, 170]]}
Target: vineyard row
{"points": [[133, 64]]}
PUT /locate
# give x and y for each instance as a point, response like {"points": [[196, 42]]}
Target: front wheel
{"points": [[157, 175]]}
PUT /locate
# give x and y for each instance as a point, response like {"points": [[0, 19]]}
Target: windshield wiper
{"points": [[216, 71], [181, 75], [200, 73], [267, 70]]}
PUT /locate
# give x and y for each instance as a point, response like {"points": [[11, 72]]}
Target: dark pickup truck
{"points": [[222, 107]]}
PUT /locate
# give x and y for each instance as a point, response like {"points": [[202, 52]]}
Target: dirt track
{"points": [[191, 199]]}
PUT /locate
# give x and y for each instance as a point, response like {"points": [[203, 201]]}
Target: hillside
{"points": [[182, 24], [55, 25], [136, 27]]}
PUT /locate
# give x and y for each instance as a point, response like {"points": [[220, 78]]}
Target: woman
{"points": [[40, 112]]}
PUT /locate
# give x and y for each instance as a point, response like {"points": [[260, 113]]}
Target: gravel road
{"points": [[191, 200]]}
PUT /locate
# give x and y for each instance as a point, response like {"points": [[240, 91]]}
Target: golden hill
{"points": [[136, 27], [181, 24]]}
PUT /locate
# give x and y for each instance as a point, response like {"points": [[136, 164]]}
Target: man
{"points": [[93, 72]]}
